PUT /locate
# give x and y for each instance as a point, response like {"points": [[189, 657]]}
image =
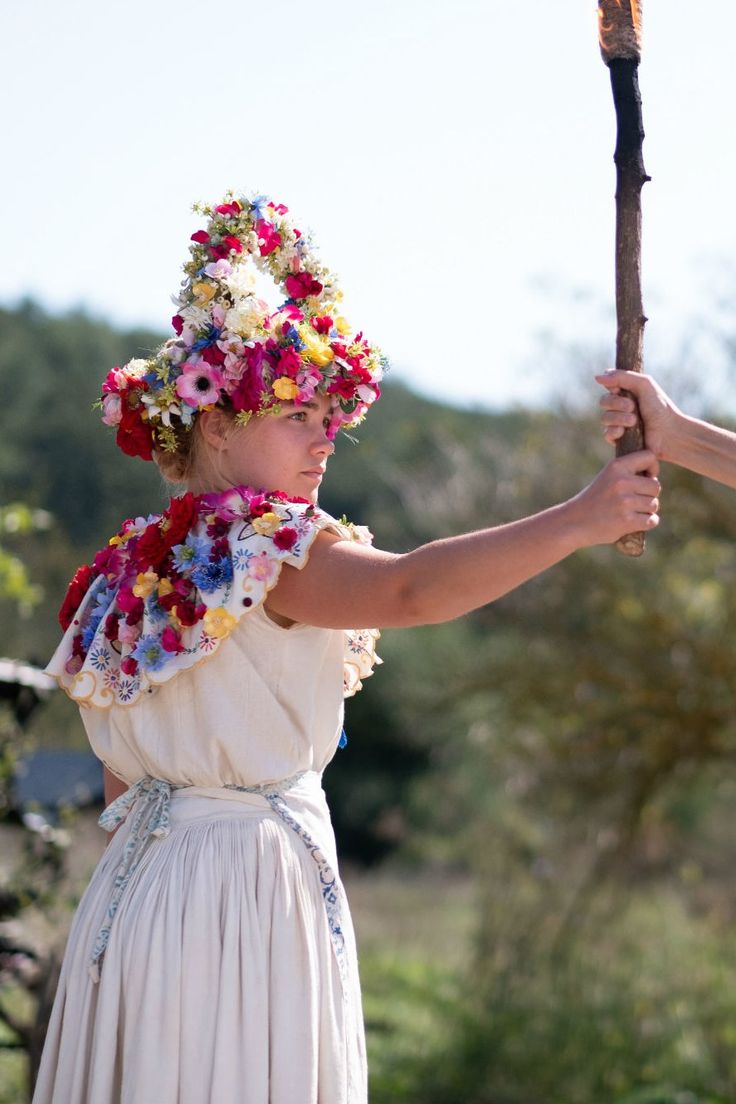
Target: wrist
{"points": [[677, 441]]}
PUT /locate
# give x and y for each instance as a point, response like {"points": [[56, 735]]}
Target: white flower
{"points": [[195, 318], [241, 282], [136, 368], [158, 410], [245, 315]]}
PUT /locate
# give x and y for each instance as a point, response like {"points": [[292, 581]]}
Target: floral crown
{"points": [[230, 350]]}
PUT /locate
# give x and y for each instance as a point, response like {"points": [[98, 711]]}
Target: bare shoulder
{"points": [[344, 584]]}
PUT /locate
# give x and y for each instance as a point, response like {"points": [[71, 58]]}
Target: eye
{"points": [[300, 415]]}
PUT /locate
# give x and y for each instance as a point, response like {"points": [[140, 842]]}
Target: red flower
{"points": [[233, 243], [322, 325], [213, 355], [259, 505], [111, 625], [233, 208], [158, 538], [345, 388], [302, 284], [182, 589], [181, 514], [268, 237], [188, 613], [76, 591], [289, 362], [285, 538], [134, 436], [129, 666], [201, 236], [178, 323], [171, 641], [150, 548]]}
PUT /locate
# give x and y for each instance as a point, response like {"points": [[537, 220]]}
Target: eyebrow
{"points": [[315, 406]]}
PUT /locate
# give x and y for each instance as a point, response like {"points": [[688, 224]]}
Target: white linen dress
{"points": [[215, 922]]}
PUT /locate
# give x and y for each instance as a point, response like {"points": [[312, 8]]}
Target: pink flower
{"points": [[302, 285], [216, 270], [307, 382], [111, 410], [285, 538], [73, 665], [128, 634], [322, 325], [201, 236], [288, 313], [268, 237], [171, 641], [262, 568], [199, 384]]}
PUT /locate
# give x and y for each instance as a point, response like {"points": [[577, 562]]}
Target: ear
{"points": [[215, 427]]}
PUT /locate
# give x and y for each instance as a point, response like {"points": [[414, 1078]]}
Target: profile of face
{"points": [[287, 451]]}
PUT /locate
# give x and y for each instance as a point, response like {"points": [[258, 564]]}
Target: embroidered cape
{"points": [[167, 590]]}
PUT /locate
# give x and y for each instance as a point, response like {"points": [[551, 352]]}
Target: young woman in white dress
{"points": [[210, 647]]}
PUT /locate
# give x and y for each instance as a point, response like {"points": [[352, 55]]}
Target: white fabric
{"points": [[219, 982]]}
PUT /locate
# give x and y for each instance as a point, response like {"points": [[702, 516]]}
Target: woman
{"points": [[212, 957], [670, 434]]}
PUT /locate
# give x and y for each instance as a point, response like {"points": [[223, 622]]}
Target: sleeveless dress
{"points": [[212, 956]]}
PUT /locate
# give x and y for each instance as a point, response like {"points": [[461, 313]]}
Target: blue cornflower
{"points": [[88, 634], [212, 335], [292, 336], [194, 552], [213, 576], [150, 654]]}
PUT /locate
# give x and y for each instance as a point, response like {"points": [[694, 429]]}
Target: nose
{"points": [[323, 446]]}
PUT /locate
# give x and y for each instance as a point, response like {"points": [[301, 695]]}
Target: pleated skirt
{"points": [[219, 984]]}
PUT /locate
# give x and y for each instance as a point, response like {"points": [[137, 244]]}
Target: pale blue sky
{"points": [[454, 161]]}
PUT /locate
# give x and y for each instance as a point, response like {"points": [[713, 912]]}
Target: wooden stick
{"points": [[620, 39]]}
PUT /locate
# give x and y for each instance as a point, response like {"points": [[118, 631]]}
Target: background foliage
{"points": [[551, 779]]}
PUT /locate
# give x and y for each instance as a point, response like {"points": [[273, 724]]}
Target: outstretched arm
{"points": [[670, 434], [346, 584]]}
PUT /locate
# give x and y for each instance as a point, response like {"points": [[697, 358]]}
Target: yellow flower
{"points": [[218, 622], [285, 388], [266, 524], [342, 325], [165, 587], [145, 584], [318, 350], [204, 291]]}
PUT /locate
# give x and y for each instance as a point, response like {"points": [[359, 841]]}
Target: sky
{"points": [[454, 162]]}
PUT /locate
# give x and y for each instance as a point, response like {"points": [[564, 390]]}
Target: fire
{"points": [[619, 29]]}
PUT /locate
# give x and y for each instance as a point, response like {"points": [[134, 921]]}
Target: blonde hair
{"points": [[181, 465], [177, 465]]}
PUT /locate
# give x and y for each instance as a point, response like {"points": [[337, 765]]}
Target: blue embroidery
{"points": [[150, 799]]}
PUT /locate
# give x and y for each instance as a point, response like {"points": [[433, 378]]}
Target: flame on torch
{"points": [[619, 29]]}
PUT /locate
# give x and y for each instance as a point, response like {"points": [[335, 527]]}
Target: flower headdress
{"points": [[230, 350]]}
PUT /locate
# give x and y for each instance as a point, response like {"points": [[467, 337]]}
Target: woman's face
{"points": [[287, 451]]}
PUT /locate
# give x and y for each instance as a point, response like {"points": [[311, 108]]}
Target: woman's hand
{"points": [[659, 414], [623, 498]]}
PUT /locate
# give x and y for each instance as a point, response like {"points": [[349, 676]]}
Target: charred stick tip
{"points": [[619, 29]]}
